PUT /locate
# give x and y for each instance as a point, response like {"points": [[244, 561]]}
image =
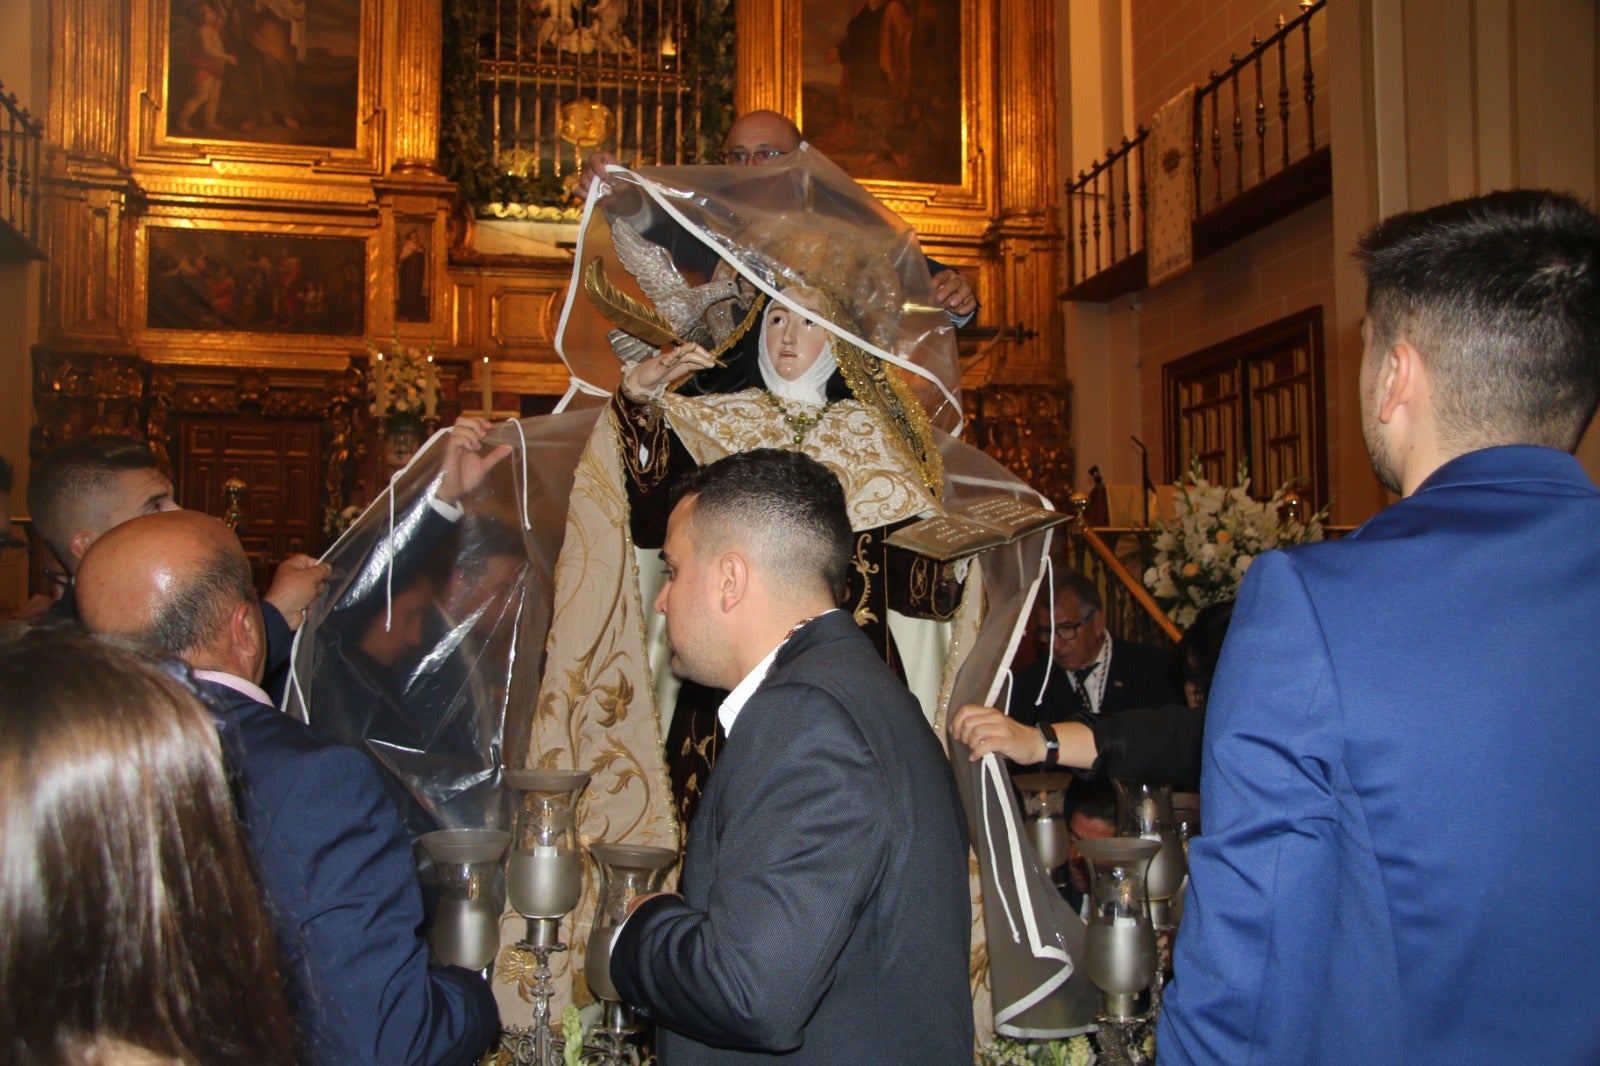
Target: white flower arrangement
{"points": [[1202, 555], [404, 382]]}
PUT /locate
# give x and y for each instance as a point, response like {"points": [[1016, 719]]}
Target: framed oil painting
{"points": [[900, 93], [220, 281], [263, 80], [876, 87]]}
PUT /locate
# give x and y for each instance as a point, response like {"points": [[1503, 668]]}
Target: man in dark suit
{"points": [[824, 914], [1088, 672], [335, 866], [1441, 658]]}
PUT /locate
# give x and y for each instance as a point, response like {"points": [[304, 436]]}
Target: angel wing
{"points": [[682, 305]]}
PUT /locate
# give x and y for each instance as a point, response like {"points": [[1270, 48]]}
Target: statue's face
{"points": [[793, 342]]}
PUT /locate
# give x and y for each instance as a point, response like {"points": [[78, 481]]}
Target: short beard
{"points": [[1378, 455]]}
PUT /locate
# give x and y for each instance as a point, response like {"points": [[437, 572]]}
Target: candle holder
{"points": [[1120, 946], [466, 926], [626, 871], [544, 879], [1044, 812], [1145, 810]]}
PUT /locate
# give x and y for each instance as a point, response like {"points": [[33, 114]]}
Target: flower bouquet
{"points": [[404, 386], [1202, 555]]}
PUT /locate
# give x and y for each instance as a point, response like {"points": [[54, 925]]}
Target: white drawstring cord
{"points": [[523, 438]]}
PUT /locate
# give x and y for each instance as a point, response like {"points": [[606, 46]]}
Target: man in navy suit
{"points": [[336, 867], [1400, 711], [824, 915]]}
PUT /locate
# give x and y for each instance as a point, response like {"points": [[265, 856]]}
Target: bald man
{"points": [[336, 867], [762, 138]]}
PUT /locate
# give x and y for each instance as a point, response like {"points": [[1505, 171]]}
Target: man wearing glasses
{"points": [[1088, 672]]}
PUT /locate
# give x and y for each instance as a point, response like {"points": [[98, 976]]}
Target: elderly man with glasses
{"points": [[1088, 672]]}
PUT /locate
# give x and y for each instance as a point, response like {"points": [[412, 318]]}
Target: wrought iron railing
{"points": [[1274, 84], [1093, 203], [1231, 166], [21, 152]]}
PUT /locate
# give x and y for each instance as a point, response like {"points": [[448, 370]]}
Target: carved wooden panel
{"points": [[280, 463], [1028, 429]]}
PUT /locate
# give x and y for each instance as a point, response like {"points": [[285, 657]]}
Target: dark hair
{"points": [[1201, 646], [1093, 799], [188, 618], [1077, 585], [131, 909], [73, 469], [785, 508], [1501, 296]]}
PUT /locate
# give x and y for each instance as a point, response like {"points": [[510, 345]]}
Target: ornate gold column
{"points": [[760, 46], [1027, 229], [414, 105], [86, 182]]}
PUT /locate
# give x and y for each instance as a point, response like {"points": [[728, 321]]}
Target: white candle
{"points": [[488, 391], [430, 389], [382, 383]]}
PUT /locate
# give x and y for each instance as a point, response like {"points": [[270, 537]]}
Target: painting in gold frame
{"points": [[875, 87], [268, 81], [221, 281], [772, 72]]}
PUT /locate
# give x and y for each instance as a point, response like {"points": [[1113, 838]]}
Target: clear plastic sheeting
{"points": [[516, 634], [802, 222], [426, 649]]}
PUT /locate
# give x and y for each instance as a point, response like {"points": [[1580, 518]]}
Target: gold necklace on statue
{"points": [[798, 421]]}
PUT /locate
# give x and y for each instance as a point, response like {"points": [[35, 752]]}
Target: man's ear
{"points": [[1400, 379], [79, 546], [243, 632], [733, 579]]}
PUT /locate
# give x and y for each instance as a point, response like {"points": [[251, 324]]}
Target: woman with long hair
{"points": [[134, 926]]}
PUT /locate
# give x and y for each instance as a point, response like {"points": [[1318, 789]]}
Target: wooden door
{"points": [[280, 462]]}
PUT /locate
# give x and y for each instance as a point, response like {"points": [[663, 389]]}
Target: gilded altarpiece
{"points": [[231, 209]]}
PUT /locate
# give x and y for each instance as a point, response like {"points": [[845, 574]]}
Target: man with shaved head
{"points": [[335, 865]]}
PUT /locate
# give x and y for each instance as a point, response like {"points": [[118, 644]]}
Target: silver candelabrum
{"points": [[544, 881], [1120, 952]]}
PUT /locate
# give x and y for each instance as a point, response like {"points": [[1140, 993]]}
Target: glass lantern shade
{"points": [[466, 927], [544, 875], [1044, 810], [1145, 810], [1120, 942], [626, 871]]}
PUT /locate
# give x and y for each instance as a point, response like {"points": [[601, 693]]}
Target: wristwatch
{"points": [[1052, 746]]}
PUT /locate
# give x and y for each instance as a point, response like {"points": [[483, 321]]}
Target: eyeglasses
{"points": [[1064, 630], [740, 157]]}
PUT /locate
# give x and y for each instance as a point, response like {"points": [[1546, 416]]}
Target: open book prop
{"points": [[978, 527]]}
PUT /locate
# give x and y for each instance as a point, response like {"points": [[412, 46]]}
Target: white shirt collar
{"points": [[236, 683], [729, 711]]}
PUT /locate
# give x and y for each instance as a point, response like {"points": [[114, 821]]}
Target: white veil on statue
{"points": [[492, 682]]}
